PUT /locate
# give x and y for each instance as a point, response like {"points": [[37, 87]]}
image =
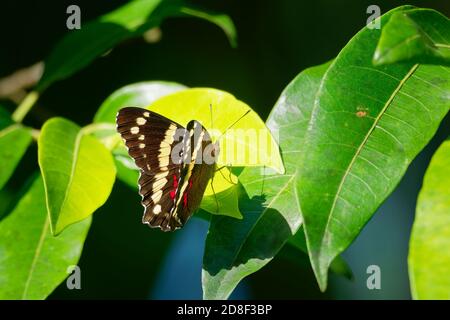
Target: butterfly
{"points": [[175, 164]]}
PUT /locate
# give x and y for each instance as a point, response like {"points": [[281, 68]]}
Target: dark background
{"points": [[277, 39]]}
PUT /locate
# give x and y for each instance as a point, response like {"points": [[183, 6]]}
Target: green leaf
{"points": [[429, 254], [140, 94], [78, 172], [235, 249], [33, 262], [14, 141], [367, 125], [418, 35], [223, 201], [80, 47], [202, 104]]}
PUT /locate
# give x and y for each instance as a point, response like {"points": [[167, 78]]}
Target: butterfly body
{"points": [[175, 164]]}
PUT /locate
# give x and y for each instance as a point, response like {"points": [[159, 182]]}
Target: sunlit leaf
{"points": [[14, 141], [78, 172], [247, 143]]}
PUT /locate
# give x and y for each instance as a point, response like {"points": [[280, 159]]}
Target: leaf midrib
{"points": [[35, 258], [360, 148], [72, 173]]}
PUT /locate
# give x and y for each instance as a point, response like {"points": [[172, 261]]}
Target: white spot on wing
{"points": [[156, 196], [157, 209], [134, 130], [141, 121]]}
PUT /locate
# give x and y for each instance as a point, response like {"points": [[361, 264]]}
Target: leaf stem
{"points": [[25, 106]]}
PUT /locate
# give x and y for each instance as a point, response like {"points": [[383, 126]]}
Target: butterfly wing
{"points": [[150, 139], [196, 172]]}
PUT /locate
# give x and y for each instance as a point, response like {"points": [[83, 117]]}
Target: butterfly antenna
{"points": [[234, 123], [211, 115], [214, 192]]}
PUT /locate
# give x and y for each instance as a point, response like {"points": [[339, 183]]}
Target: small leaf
{"points": [[235, 249], [418, 35], [14, 141], [78, 48], [367, 125], [222, 201], [33, 262], [78, 172], [429, 254]]}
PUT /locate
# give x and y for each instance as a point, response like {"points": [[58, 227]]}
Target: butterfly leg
{"points": [[214, 192], [229, 178]]}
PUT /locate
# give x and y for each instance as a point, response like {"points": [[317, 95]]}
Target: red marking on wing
{"points": [[175, 186], [185, 199], [175, 181]]}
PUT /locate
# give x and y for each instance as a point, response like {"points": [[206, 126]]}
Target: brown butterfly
{"points": [[174, 171]]}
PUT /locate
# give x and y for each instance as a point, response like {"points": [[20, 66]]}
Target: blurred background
{"points": [[123, 258]]}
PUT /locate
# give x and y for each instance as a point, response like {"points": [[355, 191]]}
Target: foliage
{"points": [[339, 139]]}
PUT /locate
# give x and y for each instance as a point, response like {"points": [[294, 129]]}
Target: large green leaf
{"points": [[367, 125], [429, 254], [79, 47], [14, 141], [235, 249], [32, 261], [78, 172], [419, 35]]}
